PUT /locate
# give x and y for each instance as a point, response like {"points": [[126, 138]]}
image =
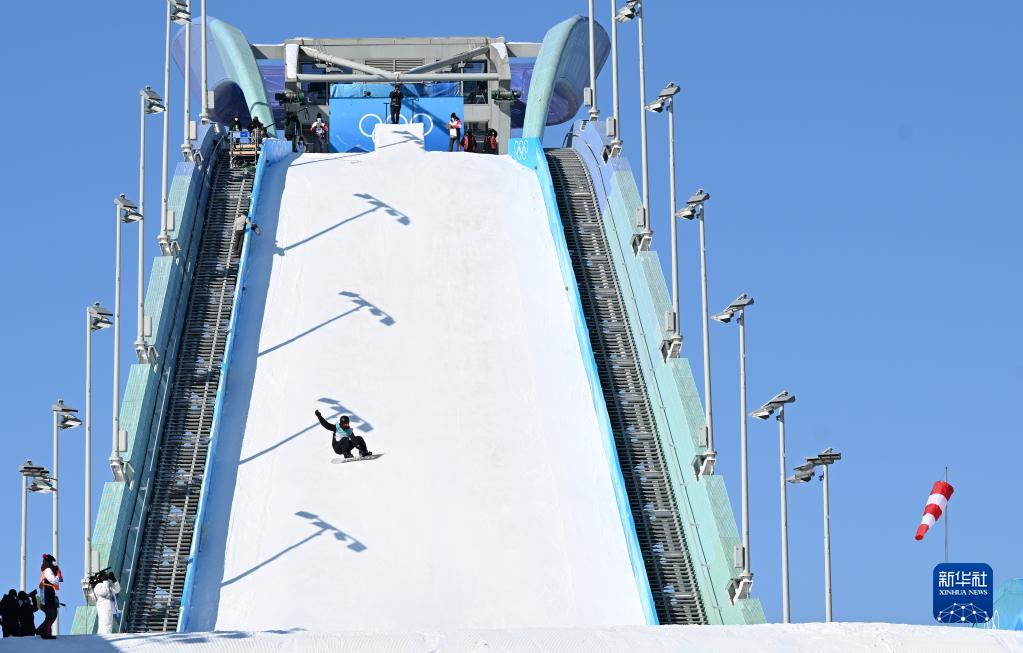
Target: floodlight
{"points": [[153, 102], [801, 477], [741, 302], [828, 456], [663, 98], [775, 403], [805, 467], [99, 317], [180, 12], [630, 11], [29, 470], [66, 418], [43, 485], [688, 213], [699, 197], [128, 209]]}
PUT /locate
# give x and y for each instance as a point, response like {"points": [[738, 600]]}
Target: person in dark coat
{"points": [[9, 613], [396, 97], [344, 437], [26, 614]]}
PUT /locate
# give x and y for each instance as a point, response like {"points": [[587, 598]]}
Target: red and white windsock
{"points": [[940, 494]]}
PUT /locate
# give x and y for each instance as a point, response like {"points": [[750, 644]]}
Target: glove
{"points": [[318, 414]]}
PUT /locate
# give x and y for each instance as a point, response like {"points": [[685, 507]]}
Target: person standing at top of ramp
{"points": [[454, 132], [319, 129], [344, 437], [49, 582], [396, 97]]}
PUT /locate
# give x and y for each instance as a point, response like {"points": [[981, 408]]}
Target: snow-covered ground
{"points": [[419, 293], [773, 638]]}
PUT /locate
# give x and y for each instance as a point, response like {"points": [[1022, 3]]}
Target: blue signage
{"points": [[352, 120], [963, 593]]}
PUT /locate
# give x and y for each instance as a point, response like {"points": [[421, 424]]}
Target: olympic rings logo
{"points": [[424, 118], [520, 149]]}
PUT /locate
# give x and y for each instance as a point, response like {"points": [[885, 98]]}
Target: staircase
{"points": [[666, 556], [159, 571]]}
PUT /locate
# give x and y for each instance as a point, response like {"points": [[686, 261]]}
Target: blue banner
{"points": [[352, 120], [963, 593]]}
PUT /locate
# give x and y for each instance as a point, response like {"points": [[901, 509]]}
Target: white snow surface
{"points": [[419, 293], [772, 638]]}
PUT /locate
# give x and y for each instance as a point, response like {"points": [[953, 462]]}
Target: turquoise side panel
{"points": [[703, 504], [142, 405], [529, 152]]}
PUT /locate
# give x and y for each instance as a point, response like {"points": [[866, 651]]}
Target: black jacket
{"points": [[396, 97]]}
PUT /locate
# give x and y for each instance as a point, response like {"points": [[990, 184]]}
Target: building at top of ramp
{"points": [[420, 294]]}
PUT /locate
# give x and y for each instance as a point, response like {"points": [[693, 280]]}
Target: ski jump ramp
{"points": [[420, 294]]}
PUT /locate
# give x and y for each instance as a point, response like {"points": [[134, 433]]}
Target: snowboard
{"points": [[340, 461]]}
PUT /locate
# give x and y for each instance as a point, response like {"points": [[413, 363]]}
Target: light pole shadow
{"points": [[375, 205], [322, 528], [360, 303]]}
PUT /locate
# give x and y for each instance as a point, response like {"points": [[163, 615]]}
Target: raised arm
{"points": [[324, 423]]}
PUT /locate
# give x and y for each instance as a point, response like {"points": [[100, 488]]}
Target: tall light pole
{"points": [[33, 479], [96, 318], [641, 240], [150, 103], [204, 115], [186, 143], [64, 417], [671, 346], [126, 212], [742, 586], [777, 404], [613, 129], [594, 111], [695, 211], [176, 13], [804, 473]]}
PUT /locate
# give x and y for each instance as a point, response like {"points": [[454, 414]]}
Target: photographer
{"points": [[27, 609], [106, 588], [50, 579]]}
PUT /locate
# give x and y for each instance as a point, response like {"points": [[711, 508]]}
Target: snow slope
{"points": [[772, 638], [420, 293]]}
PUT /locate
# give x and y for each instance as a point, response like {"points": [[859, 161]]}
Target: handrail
{"points": [[271, 151], [200, 201]]}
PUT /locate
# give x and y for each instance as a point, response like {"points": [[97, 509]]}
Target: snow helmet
{"points": [[344, 419]]}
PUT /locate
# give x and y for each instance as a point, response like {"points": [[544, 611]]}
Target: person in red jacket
{"points": [[490, 142], [469, 141]]}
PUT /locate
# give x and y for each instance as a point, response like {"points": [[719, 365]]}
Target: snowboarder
{"points": [[396, 97], [106, 591], [344, 437], [9, 613], [49, 582]]}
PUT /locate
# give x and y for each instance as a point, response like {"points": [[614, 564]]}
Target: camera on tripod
{"points": [[100, 576]]}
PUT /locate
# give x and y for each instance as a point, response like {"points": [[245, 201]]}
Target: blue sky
{"points": [[862, 160]]}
